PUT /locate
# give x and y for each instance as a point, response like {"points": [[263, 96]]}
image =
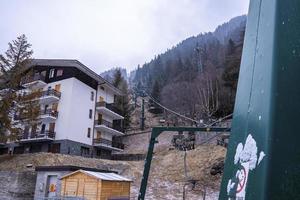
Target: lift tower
{"points": [[263, 158]]}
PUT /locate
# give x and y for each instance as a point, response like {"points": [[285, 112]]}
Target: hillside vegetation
{"points": [[199, 69]]}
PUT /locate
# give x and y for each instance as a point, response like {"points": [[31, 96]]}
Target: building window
{"points": [[59, 72], [85, 151], [43, 73], [92, 96], [89, 133], [91, 114], [51, 74], [101, 87]]}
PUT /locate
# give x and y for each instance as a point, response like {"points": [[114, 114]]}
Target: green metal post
{"points": [[147, 164], [156, 131], [263, 154]]}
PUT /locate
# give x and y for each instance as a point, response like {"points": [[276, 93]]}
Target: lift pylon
{"points": [[156, 131]]}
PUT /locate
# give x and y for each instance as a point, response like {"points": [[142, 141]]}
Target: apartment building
{"points": [[77, 111]]}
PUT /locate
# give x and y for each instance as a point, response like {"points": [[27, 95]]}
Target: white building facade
{"points": [[78, 115]]}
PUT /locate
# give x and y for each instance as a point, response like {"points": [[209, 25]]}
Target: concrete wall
{"points": [[73, 148], [17, 185], [73, 119]]}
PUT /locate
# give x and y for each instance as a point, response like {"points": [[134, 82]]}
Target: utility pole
{"points": [[263, 153], [143, 112]]}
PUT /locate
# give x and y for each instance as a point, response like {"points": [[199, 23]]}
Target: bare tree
{"points": [[207, 87]]}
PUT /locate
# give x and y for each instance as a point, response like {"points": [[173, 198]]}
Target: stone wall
{"points": [[17, 185]]}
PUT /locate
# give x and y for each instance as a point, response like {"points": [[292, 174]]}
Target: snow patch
{"points": [[261, 156]]}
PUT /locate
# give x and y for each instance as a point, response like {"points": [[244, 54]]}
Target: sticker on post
{"points": [[246, 159]]}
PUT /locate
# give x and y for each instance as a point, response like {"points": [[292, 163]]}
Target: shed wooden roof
{"points": [[101, 175]]}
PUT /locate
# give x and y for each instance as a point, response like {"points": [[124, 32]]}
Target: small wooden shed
{"points": [[95, 185]]}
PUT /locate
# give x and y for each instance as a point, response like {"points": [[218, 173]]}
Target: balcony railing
{"points": [[109, 124], [104, 122], [51, 92], [36, 95], [110, 106], [38, 135], [109, 143], [29, 79], [50, 113]]}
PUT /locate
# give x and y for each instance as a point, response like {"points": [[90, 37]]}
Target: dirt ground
{"points": [[166, 178]]}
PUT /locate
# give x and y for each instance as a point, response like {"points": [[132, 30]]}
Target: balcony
{"points": [[109, 109], [49, 115], [49, 96], [37, 137], [34, 82], [44, 97], [106, 126], [107, 144]]}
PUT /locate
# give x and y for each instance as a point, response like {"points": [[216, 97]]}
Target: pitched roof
{"points": [[101, 176], [73, 63]]}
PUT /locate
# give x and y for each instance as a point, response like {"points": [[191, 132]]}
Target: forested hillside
{"points": [[198, 76]]}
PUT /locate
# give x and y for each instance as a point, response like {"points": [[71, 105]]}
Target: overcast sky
{"points": [[110, 33]]}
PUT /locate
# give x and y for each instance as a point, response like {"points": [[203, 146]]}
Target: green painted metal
{"points": [[266, 114], [156, 131]]}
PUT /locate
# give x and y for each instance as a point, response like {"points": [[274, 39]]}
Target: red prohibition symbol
{"points": [[242, 181]]}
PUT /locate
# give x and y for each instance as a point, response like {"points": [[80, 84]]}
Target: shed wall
{"points": [[115, 189], [82, 185]]}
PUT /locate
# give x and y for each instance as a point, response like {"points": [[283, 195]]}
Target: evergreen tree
{"points": [[155, 93], [232, 68], [117, 78], [12, 66], [122, 102]]}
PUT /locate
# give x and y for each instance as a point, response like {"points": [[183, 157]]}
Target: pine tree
{"points": [[155, 93], [122, 102], [12, 65], [232, 67], [117, 78]]}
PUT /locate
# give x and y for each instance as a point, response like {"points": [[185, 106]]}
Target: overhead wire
{"points": [[185, 117]]}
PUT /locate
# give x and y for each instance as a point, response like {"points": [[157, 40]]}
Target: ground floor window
{"points": [[102, 153], [85, 151], [35, 148], [19, 150], [54, 148], [3, 151]]}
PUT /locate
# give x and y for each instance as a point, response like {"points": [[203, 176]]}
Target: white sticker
{"points": [[246, 158]]}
